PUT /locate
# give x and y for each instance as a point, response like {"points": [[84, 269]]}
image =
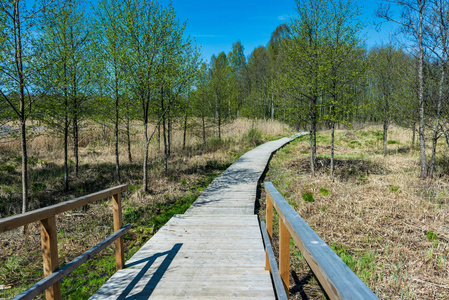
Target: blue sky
{"points": [[216, 25]]}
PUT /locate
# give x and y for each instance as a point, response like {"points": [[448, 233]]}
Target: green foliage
{"points": [[324, 191], [431, 236], [362, 178], [8, 168], [392, 142], [254, 137], [38, 186], [308, 197], [363, 265], [393, 188]]}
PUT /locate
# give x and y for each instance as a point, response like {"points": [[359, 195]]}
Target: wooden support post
{"points": [[119, 250], [269, 226], [49, 243], [284, 254]]}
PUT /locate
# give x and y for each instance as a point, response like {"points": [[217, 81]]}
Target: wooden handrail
{"points": [[272, 265], [65, 270], [334, 275], [49, 241], [12, 222]]}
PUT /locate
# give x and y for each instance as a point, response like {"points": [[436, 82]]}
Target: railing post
{"points": [[284, 254], [117, 209], [269, 225], [49, 243]]}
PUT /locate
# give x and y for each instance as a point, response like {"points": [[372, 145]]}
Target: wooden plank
{"points": [[279, 288], [222, 211], [46, 212], [49, 242], [269, 226], [284, 254], [333, 274], [62, 272], [213, 251], [117, 213]]}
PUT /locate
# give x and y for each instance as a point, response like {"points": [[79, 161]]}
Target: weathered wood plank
{"points": [[117, 214], [49, 242], [279, 287], [214, 251], [56, 276], [333, 274], [284, 254], [46, 212]]}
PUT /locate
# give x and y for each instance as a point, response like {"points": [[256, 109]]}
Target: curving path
{"points": [[213, 251]]}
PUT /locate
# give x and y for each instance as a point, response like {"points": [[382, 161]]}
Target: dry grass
{"points": [[389, 226], [190, 171]]}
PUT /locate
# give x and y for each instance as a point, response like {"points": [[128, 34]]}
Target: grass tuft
{"points": [[324, 191], [308, 197]]}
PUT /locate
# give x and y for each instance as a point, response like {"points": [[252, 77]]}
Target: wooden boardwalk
{"points": [[213, 251]]}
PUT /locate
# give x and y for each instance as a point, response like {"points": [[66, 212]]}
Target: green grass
{"points": [[308, 197], [393, 188], [431, 236], [324, 191], [362, 178], [392, 142], [362, 264]]}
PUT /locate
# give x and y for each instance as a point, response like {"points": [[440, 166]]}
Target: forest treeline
{"points": [[116, 62]]}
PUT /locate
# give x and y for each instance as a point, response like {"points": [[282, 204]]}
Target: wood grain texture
{"points": [[49, 242], [213, 251], [65, 270], [49, 211], [284, 254], [279, 286], [333, 274], [117, 214]]}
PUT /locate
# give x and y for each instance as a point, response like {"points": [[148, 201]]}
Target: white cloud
{"points": [[283, 18]]}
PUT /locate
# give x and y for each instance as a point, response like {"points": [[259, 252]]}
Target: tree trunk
{"points": [[169, 133], [145, 157], [66, 130], [422, 143], [332, 148], [128, 136], [164, 133], [414, 134], [117, 161], [24, 164], [313, 121], [66, 145], [385, 137], [204, 130], [22, 114], [185, 132], [437, 118], [159, 138], [75, 139], [219, 126]]}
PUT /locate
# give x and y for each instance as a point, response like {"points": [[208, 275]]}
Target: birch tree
{"points": [[412, 21]]}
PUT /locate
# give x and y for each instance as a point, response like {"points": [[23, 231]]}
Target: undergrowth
{"points": [[384, 222], [172, 192]]}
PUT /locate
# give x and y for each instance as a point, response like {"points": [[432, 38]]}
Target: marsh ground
{"points": [[190, 171], [387, 225]]}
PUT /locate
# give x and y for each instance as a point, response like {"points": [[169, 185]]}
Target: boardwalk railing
{"points": [[47, 218], [334, 275]]}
